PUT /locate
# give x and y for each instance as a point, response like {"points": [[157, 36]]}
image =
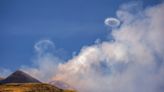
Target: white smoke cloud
{"points": [[134, 62], [46, 62], [44, 46], [112, 22]]}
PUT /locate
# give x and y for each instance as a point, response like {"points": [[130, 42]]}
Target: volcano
{"points": [[19, 77], [22, 82]]}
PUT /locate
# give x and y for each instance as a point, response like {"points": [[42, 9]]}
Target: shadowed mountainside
{"points": [[19, 77], [22, 82]]}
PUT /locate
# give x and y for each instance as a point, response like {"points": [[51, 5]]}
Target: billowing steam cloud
{"points": [[133, 62]]}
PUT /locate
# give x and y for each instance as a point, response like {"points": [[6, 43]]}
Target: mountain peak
{"points": [[20, 77], [18, 71]]}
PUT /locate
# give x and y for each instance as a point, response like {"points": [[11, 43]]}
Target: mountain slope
{"points": [[61, 85], [22, 82], [19, 77], [30, 87]]}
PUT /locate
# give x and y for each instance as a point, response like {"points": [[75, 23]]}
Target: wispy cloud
{"points": [[45, 63]]}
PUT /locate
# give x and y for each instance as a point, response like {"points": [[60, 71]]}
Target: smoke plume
{"points": [[45, 63], [133, 62]]}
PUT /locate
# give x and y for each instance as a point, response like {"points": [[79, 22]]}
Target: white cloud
{"points": [[44, 46], [45, 63], [134, 62]]}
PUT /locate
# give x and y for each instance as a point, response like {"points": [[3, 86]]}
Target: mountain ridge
{"points": [[20, 81], [19, 77]]}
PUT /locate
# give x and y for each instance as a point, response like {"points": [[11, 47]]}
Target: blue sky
{"points": [[70, 24]]}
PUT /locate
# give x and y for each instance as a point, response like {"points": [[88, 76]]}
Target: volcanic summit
{"points": [[19, 77]]}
